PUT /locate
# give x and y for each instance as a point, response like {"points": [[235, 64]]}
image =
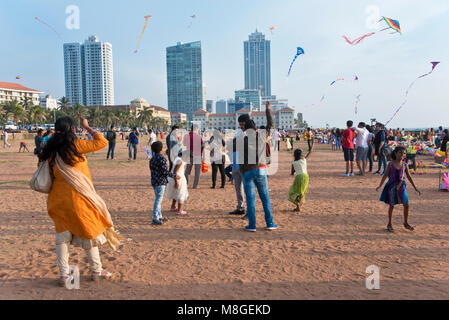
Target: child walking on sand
{"points": [[395, 191], [177, 189], [297, 192]]}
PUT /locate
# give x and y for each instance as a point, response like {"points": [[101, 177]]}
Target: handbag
{"points": [[42, 179]]}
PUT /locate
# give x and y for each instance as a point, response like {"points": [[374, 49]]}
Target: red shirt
{"points": [[347, 138]]}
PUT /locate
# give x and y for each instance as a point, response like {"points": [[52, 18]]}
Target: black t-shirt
{"points": [[444, 143]]}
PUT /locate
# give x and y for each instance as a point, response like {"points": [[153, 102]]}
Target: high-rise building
{"points": [[249, 95], [88, 67], [210, 106], [257, 63], [48, 102], [185, 78], [221, 106]]}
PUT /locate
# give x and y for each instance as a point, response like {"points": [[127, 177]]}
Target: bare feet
{"points": [[408, 227]]}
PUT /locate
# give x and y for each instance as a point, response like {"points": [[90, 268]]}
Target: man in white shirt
{"points": [[276, 136], [153, 137], [5, 139], [361, 145]]}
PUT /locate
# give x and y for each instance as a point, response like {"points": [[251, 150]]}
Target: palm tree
{"points": [[27, 103], [64, 104], [145, 116], [95, 117], [108, 118], [36, 115], [79, 111]]}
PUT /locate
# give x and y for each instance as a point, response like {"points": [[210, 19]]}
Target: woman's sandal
{"points": [[62, 281], [182, 213], [408, 227], [97, 276], [173, 210], [390, 228]]}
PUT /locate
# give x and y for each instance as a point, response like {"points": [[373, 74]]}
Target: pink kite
{"points": [[359, 39]]}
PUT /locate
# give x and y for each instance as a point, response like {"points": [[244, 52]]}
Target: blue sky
{"points": [[386, 63]]}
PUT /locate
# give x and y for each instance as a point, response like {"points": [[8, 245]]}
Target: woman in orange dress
{"points": [[80, 216]]}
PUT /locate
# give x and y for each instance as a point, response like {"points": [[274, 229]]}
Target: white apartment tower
{"points": [[89, 72]]}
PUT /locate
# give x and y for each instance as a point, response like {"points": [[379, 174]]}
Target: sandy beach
{"points": [[320, 253]]}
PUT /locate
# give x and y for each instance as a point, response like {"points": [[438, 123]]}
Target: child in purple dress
{"points": [[395, 191]]}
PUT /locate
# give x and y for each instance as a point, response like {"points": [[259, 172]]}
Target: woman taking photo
{"points": [[80, 216]]}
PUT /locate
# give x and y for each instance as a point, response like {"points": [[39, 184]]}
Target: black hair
{"points": [[174, 127], [349, 123], [243, 118], [250, 124], [396, 150], [369, 128], [156, 147], [112, 126], [262, 127], [40, 130], [62, 143], [297, 154], [379, 125], [362, 124]]}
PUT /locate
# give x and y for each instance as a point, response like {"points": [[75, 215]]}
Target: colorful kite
{"points": [[49, 26], [356, 78], [357, 100], [392, 24], [19, 78], [191, 22], [147, 17], [340, 79], [272, 28], [434, 64], [299, 51]]}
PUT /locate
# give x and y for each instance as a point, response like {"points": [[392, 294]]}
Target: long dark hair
{"points": [[63, 143], [396, 150]]}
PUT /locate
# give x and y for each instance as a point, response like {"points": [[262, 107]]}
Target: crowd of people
{"points": [[243, 161]]}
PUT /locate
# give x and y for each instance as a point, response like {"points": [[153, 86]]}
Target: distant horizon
{"points": [[385, 64]]}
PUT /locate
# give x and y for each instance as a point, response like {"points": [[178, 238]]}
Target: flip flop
{"points": [[182, 213], [408, 227]]}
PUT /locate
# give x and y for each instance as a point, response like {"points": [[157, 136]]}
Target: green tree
{"points": [[79, 111], [145, 117], [108, 118], [36, 115], [95, 117], [64, 105]]}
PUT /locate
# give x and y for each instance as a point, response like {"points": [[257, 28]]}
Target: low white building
{"points": [[178, 117], [283, 119], [47, 102], [13, 91]]}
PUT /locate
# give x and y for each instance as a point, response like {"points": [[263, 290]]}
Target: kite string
{"points": [[49, 26]]}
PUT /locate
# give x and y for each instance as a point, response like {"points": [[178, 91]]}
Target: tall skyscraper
{"points": [[210, 106], [257, 63], [221, 106], [185, 78], [249, 95], [89, 72]]}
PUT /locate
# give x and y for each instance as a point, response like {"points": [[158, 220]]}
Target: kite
{"points": [[49, 26], [19, 78], [147, 17], [357, 100], [191, 22], [446, 180], [339, 79], [434, 64], [148, 152], [272, 28], [299, 51], [392, 24], [356, 78]]}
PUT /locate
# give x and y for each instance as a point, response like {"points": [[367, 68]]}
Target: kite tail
{"points": [[290, 69]]}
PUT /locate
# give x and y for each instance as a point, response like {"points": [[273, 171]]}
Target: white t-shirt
{"points": [[362, 137], [276, 136], [300, 166], [152, 138]]}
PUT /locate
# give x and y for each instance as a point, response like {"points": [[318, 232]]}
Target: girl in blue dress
{"points": [[395, 191]]}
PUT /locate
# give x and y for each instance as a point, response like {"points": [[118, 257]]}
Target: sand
{"points": [[320, 253]]}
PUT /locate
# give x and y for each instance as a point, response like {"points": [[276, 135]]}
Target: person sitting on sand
{"points": [[80, 216], [298, 190], [395, 191]]}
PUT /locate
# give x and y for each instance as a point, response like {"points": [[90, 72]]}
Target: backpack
{"points": [[110, 136]]}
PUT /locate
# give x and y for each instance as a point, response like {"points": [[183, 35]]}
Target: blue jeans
{"points": [[382, 160], [130, 148], [257, 179], [370, 157], [338, 143], [111, 150], [157, 208]]}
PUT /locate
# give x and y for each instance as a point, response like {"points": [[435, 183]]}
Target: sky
{"points": [[385, 63]]}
